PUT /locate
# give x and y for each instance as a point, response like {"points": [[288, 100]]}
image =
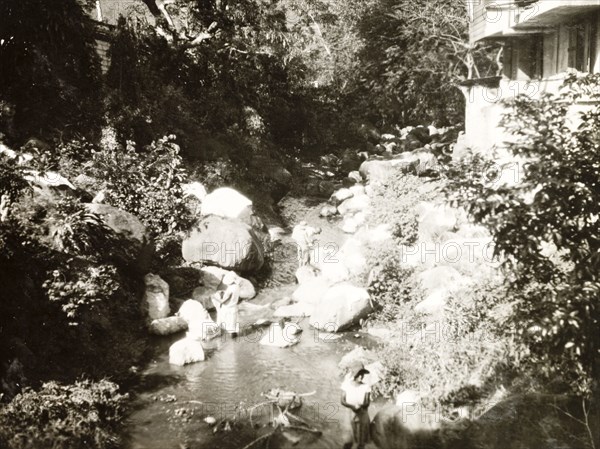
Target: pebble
{"points": [[210, 420]]}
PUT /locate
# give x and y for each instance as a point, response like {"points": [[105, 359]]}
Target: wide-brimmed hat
{"points": [[356, 369]]}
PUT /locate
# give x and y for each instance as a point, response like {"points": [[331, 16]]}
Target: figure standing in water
{"points": [[356, 396], [226, 303], [305, 237]]}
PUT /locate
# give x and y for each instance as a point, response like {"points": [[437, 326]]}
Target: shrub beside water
{"points": [[84, 414]]}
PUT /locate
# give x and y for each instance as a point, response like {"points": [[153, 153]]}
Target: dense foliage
{"points": [[146, 183], [84, 414], [415, 53], [50, 72], [546, 228]]}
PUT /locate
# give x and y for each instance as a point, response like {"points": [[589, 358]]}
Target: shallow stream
{"points": [[171, 402]]}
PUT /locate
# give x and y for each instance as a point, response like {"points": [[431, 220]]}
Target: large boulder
{"points": [[200, 324], [341, 195], [350, 225], [328, 211], [306, 273], [352, 255], [156, 297], [350, 161], [380, 170], [342, 306], [267, 168], [48, 179], [434, 304], [355, 176], [435, 220], [426, 164], [191, 310], [311, 291], [203, 294], [355, 204], [186, 350], [334, 272], [168, 326], [136, 247], [226, 242], [357, 190], [396, 427], [226, 202]]}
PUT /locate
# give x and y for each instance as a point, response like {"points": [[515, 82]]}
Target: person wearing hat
{"points": [[226, 303], [304, 236], [356, 396]]}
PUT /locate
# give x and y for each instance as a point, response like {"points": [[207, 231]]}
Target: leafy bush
{"points": [[456, 359], [145, 183], [390, 285], [546, 229], [83, 414], [394, 202], [75, 287], [75, 230]]}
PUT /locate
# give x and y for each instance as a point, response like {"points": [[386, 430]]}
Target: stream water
{"points": [[171, 402]]}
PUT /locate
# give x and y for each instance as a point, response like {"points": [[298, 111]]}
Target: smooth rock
{"points": [[328, 211], [168, 326], [156, 297], [185, 351], [355, 175], [380, 332], [48, 179], [306, 273], [225, 202], [435, 220], [357, 190], [434, 303], [136, 246], [349, 225], [342, 306], [380, 170], [192, 310], [226, 242], [281, 337], [411, 425], [341, 195], [352, 255], [203, 330], [440, 277], [334, 271], [311, 291], [355, 204], [202, 294]]}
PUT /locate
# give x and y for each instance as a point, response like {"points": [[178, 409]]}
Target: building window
{"points": [[527, 60], [582, 48]]}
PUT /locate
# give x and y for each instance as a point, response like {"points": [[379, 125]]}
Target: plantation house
{"points": [[541, 41]]}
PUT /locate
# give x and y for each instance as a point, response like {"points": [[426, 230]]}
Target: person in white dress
{"points": [[226, 303], [305, 237], [356, 396]]}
